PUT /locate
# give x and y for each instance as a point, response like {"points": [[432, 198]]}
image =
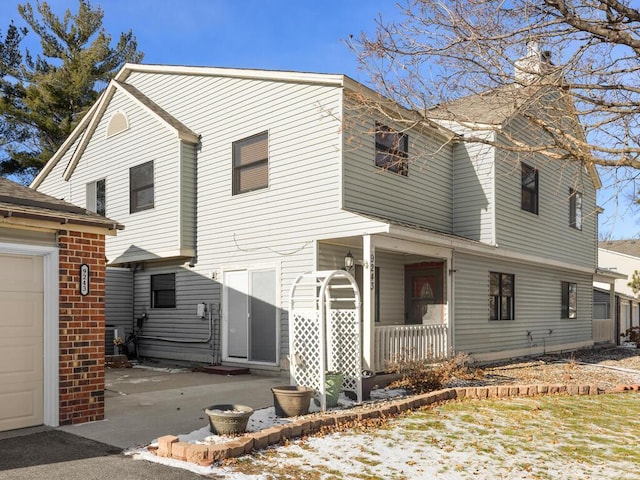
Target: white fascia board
{"points": [[53, 161], [489, 251], [277, 75]]}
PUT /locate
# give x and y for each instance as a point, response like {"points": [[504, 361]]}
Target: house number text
{"points": [[84, 279]]}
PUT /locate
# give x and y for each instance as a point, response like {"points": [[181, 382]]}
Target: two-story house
{"points": [[233, 182]]}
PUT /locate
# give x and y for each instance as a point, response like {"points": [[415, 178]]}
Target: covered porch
{"points": [[406, 292]]}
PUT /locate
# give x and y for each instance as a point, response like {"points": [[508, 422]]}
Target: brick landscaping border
{"points": [[206, 455]]}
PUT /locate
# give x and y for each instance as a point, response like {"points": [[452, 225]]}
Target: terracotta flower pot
{"points": [[291, 401], [226, 419]]}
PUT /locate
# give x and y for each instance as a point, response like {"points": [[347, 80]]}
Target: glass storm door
{"points": [[424, 294], [251, 315]]}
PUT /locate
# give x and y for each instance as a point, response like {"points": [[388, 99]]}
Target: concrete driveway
{"points": [[144, 403]]}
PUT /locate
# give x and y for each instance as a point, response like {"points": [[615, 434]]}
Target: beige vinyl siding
{"points": [[54, 184], [473, 191], [181, 322], [273, 227], [547, 234], [188, 196], [423, 197], [119, 300], [537, 307]]}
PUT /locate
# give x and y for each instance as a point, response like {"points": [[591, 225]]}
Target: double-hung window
{"points": [[529, 197], [96, 197], [501, 296], [163, 290], [575, 209], [392, 150], [569, 300], [251, 163], [141, 187]]}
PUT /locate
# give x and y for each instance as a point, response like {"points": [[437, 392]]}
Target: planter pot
{"points": [[333, 387], [226, 419], [291, 401]]}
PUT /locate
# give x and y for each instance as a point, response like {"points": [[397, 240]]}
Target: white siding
{"points": [[424, 197], [537, 308], [473, 192], [119, 300], [547, 234], [55, 185]]}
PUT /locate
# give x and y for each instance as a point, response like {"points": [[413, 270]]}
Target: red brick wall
{"points": [[81, 328]]}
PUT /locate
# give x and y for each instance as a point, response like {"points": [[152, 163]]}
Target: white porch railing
{"points": [[418, 341], [603, 330]]}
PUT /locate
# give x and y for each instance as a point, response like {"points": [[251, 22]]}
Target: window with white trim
{"points": [[575, 209], [529, 197], [501, 296], [569, 300], [392, 150], [96, 197], [251, 163], [141, 195]]}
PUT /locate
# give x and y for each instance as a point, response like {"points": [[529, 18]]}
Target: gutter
{"points": [[7, 213]]}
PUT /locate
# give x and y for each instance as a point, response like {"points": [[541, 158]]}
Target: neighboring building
{"points": [[233, 182], [622, 256], [52, 268]]}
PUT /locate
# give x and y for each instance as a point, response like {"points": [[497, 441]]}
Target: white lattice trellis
{"points": [[325, 331]]}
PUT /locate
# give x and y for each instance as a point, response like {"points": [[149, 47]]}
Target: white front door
{"points": [[250, 316], [21, 341]]}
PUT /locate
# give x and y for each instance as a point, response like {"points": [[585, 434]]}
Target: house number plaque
{"points": [[84, 279]]}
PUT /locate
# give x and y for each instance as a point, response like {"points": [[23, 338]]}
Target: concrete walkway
{"points": [[145, 403]]}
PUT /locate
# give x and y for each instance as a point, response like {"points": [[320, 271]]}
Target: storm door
{"points": [[250, 315], [424, 299]]}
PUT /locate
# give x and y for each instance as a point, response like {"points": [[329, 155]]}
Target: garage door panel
{"points": [[21, 341], [21, 273], [20, 360], [20, 314], [22, 405]]}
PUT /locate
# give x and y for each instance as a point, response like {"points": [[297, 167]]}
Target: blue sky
{"points": [[301, 35]]}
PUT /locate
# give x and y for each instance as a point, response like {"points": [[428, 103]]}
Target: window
{"points": [[163, 290], [96, 199], [392, 150], [501, 296], [141, 187], [575, 209], [569, 300], [529, 188], [251, 164]]}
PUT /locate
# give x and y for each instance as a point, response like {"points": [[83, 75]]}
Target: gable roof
{"points": [[628, 247], [87, 126], [17, 201]]}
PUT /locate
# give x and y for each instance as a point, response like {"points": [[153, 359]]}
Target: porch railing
{"points": [[414, 341]]}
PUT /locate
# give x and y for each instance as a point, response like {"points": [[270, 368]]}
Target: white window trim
{"points": [[50, 266]]}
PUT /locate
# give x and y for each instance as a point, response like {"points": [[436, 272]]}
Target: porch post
{"points": [[368, 305], [613, 309]]}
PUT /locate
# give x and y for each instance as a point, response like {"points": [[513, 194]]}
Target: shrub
{"points": [[420, 375], [633, 334]]}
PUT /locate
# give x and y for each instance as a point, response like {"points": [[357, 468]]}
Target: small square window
{"points": [[96, 197], [569, 300], [141, 187], [501, 296], [529, 197], [163, 290], [575, 209], [251, 163], [392, 150]]}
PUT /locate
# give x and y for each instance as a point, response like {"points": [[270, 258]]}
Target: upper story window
{"points": [[141, 187], [575, 209], [251, 163], [96, 197], [163, 290], [501, 296], [569, 300], [392, 150], [529, 199]]}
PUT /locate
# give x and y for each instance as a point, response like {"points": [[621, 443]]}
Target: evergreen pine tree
{"points": [[43, 97]]}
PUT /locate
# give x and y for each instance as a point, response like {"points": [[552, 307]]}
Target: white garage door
{"points": [[21, 341]]}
